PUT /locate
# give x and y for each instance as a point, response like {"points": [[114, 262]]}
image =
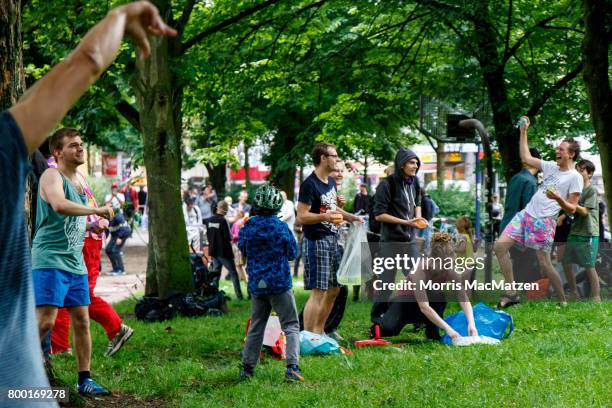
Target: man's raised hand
{"points": [[142, 18]]}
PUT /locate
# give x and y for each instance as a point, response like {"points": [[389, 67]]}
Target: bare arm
{"points": [[305, 217], [426, 309], [469, 314], [569, 205], [561, 219], [464, 301], [45, 104], [526, 157], [348, 216], [390, 219], [461, 245], [583, 211], [52, 191], [433, 317]]}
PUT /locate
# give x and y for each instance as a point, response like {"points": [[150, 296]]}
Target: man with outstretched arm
{"points": [[22, 129], [58, 268], [534, 227]]}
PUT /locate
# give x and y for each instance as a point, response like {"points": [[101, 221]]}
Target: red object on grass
{"points": [[541, 293], [376, 341], [277, 347]]}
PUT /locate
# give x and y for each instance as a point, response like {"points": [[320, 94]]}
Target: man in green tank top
{"points": [[58, 269]]}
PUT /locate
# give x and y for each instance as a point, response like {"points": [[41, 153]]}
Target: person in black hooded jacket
{"points": [[397, 206]]}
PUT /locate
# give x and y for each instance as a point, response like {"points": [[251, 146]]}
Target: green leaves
{"points": [[350, 72]]}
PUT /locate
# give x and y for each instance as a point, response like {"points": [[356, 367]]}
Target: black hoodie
{"points": [[398, 196]]}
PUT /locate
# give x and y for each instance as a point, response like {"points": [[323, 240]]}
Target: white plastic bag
{"points": [[356, 259], [470, 340]]}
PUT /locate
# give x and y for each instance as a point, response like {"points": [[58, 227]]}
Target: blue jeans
{"points": [[113, 250]]}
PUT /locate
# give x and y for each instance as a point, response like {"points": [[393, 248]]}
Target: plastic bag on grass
{"points": [[274, 337], [489, 323], [356, 256], [317, 344], [470, 340]]}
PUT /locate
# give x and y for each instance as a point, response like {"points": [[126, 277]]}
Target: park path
{"points": [[114, 289]]}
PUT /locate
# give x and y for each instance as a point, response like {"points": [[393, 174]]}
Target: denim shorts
{"points": [[54, 287]]}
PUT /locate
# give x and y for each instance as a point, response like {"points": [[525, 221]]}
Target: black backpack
{"points": [[205, 280]]}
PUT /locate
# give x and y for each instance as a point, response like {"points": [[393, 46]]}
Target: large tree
{"points": [[12, 82], [597, 40], [159, 88], [525, 57]]}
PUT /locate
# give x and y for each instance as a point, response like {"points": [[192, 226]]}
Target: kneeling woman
{"points": [[425, 307]]}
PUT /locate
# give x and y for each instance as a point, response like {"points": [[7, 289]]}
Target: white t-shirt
{"points": [[566, 183], [193, 216], [116, 200], [288, 210]]}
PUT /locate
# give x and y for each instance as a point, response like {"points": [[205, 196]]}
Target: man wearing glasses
{"points": [[320, 216]]}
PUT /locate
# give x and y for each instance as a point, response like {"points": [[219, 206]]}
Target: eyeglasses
{"points": [[335, 156]]}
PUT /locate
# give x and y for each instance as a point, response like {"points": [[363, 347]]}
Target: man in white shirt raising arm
{"points": [[534, 227]]}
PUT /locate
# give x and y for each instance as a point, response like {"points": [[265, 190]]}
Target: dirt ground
{"points": [[114, 289], [134, 260]]}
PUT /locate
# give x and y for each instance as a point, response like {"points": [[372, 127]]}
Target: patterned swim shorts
{"points": [[532, 232]]}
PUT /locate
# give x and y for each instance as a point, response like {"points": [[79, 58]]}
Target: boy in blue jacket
{"points": [[268, 246]]}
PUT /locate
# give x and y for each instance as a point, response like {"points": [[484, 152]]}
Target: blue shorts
{"points": [[54, 287]]}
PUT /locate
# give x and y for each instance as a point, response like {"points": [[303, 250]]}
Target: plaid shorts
{"points": [[321, 262]]}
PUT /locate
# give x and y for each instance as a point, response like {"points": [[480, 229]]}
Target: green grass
{"points": [[554, 358]]}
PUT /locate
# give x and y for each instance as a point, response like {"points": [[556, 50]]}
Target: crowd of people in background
{"points": [[401, 212]]}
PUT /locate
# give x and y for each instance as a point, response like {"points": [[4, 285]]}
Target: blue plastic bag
{"points": [[317, 344], [489, 322]]}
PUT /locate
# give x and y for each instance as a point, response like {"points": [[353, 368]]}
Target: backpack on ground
{"points": [[205, 280]]}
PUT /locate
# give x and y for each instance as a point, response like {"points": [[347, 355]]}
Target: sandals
{"points": [[507, 301]]}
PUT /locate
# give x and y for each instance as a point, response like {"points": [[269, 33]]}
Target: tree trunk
{"points": [[492, 70], [440, 167], [366, 180], [159, 102], [216, 175], [12, 82], [287, 182], [247, 176], [283, 155], [596, 47], [282, 172], [505, 134]]}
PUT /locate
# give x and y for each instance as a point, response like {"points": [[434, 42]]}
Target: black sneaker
{"points": [[246, 373]]}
